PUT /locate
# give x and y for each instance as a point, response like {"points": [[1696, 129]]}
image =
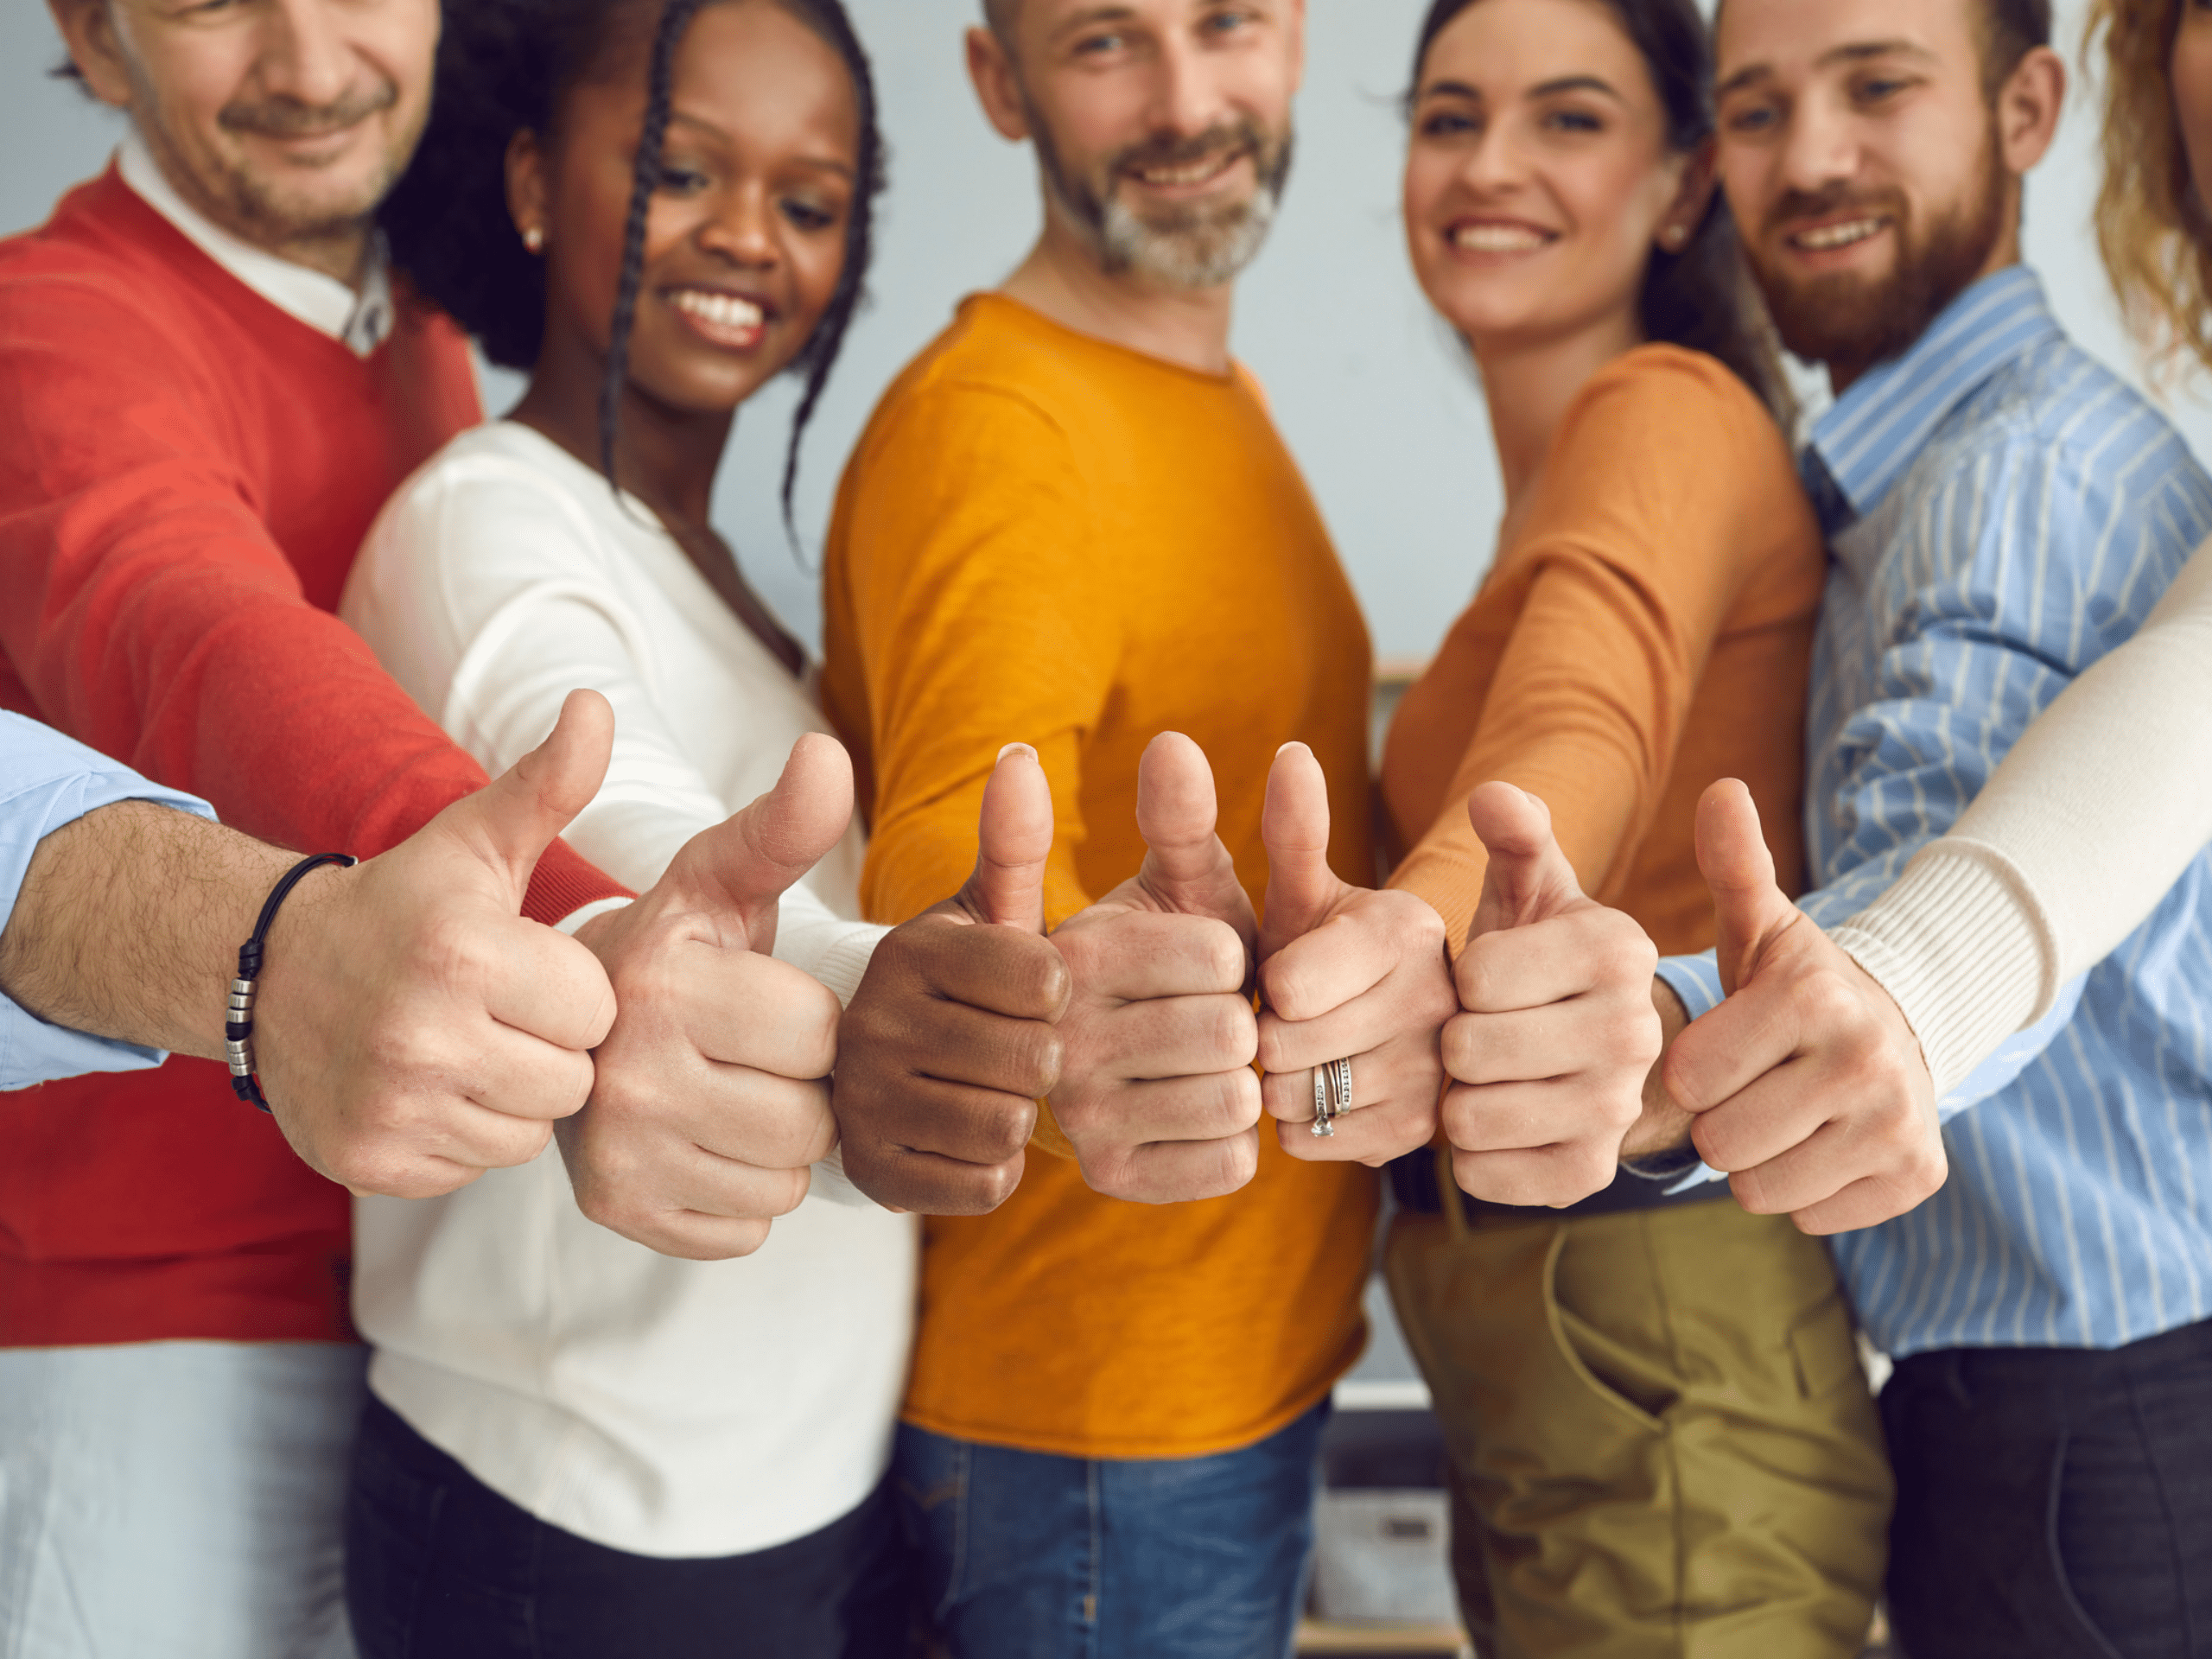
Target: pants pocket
{"points": [[932, 1474], [1620, 1375]]}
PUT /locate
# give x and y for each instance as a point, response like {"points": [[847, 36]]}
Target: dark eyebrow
{"points": [[1450, 89], [1548, 89], [1858, 51], [1576, 84]]}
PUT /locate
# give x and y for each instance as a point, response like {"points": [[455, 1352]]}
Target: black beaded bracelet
{"points": [[237, 1029]]}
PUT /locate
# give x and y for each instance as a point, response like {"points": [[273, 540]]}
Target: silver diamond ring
{"points": [[1331, 1095]]}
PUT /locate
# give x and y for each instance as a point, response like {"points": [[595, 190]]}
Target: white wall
{"points": [[1372, 393]]}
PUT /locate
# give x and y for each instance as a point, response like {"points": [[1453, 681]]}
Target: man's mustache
{"points": [[286, 117], [1167, 151], [1797, 206]]}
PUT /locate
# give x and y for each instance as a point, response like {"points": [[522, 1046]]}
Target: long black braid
{"points": [[675, 18], [503, 66]]}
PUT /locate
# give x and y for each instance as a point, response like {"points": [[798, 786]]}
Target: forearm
{"points": [[2024, 894], [150, 612], [129, 923]]}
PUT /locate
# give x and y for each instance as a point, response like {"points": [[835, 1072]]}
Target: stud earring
{"points": [[534, 240], [1673, 237]]}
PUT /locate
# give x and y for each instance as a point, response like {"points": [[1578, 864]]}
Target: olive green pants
{"points": [[1661, 1440]]}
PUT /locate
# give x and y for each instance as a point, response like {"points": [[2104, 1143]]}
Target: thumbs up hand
{"points": [[413, 1029], [949, 1043], [712, 1093], [1345, 972], [1557, 1031], [1809, 1085], [1157, 1093]]}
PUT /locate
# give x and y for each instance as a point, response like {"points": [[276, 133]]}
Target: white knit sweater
{"points": [[2091, 818], [662, 1407]]}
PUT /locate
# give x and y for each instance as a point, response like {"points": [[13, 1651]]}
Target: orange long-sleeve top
{"points": [[1648, 630], [1045, 536]]}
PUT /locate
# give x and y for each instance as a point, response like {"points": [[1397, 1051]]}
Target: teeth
{"points": [[1825, 237], [723, 310], [1497, 238], [1197, 172]]}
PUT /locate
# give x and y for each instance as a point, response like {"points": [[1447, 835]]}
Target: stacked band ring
{"points": [[1331, 1095]]}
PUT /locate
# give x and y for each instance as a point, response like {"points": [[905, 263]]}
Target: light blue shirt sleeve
{"points": [[47, 781], [1976, 629]]}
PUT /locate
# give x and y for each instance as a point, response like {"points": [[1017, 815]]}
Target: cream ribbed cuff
{"points": [[1962, 945], [843, 962]]}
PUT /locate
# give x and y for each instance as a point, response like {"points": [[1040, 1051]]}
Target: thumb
{"points": [[1529, 879], [745, 864], [1013, 839], [511, 822], [1185, 867], [1748, 906], [1295, 828]]}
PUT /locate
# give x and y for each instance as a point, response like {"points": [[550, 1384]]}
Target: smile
{"points": [[1190, 173], [725, 319], [1494, 237], [1826, 238]]}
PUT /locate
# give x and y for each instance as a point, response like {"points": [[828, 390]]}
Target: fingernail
{"points": [[1017, 748]]}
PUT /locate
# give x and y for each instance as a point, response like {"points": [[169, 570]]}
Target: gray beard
{"points": [[1196, 249]]}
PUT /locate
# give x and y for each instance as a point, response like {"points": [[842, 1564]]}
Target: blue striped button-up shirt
{"points": [[2002, 511]]}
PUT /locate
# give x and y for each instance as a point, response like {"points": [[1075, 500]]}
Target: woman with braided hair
{"points": [[579, 1445]]}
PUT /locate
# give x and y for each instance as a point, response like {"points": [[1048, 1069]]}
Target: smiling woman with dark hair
{"points": [[656, 207], [1627, 1378]]}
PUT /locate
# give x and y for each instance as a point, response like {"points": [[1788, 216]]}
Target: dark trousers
{"points": [[2054, 1502], [441, 1567]]}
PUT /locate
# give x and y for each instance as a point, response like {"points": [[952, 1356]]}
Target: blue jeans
{"points": [[177, 1500], [1025, 1555]]}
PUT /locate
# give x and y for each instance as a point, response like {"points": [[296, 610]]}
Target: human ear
{"points": [[526, 192], [1692, 201], [998, 85], [2028, 108], [88, 30]]}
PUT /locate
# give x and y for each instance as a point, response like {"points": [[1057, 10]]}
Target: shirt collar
{"points": [[1864, 442], [360, 322]]}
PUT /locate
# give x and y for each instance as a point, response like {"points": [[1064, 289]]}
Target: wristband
{"points": [[237, 1029]]}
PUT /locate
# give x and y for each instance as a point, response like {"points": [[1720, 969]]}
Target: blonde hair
{"points": [[2152, 224]]}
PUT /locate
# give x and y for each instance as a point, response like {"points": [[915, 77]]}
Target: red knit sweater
{"points": [[186, 473]]}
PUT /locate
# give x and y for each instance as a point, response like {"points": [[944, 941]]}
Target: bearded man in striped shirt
{"points": [[2032, 1242]]}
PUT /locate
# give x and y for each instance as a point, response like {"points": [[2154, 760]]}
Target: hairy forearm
{"points": [[128, 925]]}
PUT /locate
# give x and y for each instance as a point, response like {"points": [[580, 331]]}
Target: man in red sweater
{"points": [[206, 392]]}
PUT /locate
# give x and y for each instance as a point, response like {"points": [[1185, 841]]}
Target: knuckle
{"points": [[1232, 1033], [741, 1239], [1044, 977], [1475, 975], [994, 1185], [1222, 954], [1826, 1000], [1240, 1161], [787, 1190], [1039, 1063], [1460, 1114], [1006, 1131], [1244, 1104], [1460, 1045]]}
